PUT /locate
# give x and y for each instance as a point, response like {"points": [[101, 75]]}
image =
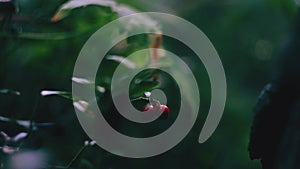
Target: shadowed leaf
{"points": [[9, 91]]}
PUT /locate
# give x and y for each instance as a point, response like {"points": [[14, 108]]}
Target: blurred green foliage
{"points": [[248, 36]]}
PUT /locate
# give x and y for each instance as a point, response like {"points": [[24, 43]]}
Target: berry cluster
{"points": [[162, 108]]}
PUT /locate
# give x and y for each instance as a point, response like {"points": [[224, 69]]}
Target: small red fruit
{"points": [[162, 108], [165, 109], [149, 107]]}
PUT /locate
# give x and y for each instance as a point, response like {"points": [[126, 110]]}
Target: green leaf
{"points": [[63, 94], [83, 81], [83, 163], [66, 8], [122, 10], [124, 61]]}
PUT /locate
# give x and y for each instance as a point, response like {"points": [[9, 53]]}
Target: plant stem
{"points": [[147, 99], [76, 157]]}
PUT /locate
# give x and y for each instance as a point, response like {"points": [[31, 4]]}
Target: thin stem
{"points": [[76, 156], [34, 112], [151, 100], [140, 98]]}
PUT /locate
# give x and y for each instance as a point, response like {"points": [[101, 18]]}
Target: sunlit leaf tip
{"points": [[82, 80], [147, 94], [81, 105], [64, 94], [65, 8], [51, 92], [20, 136], [126, 62], [101, 89]]}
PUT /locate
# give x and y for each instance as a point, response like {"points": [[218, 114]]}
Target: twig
{"points": [[76, 156], [140, 98], [151, 100]]}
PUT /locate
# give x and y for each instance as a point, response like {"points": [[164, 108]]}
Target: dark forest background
{"points": [[39, 54]]}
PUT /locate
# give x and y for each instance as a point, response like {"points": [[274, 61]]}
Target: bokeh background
{"points": [[37, 54]]}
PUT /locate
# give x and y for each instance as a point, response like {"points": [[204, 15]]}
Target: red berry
{"points": [[149, 107], [162, 108], [165, 109]]}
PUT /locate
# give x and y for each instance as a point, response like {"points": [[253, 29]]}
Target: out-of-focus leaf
{"points": [[287, 6], [141, 61], [27, 124], [81, 105], [51, 92], [147, 94], [100, 89], [29, 160], [85, 164], [4, 135], [12, 144], [24, 123], [65, 8], [82, 81], [64, 94], [139, 89], [9, 150], [121, 10], [124, 61], [5, 119], [92, 143], [9, 91], [20, 136]]}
